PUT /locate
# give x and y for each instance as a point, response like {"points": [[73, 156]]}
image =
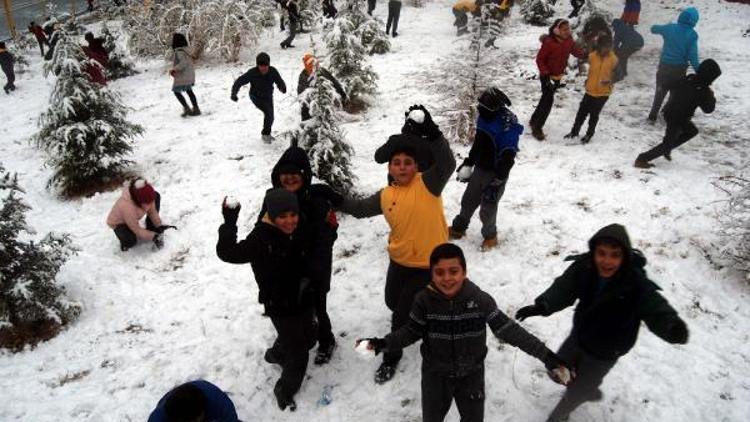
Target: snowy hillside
{"points": [[152, 320]]}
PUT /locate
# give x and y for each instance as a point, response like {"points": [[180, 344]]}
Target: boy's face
{"points": [[608, 259], [287, 222], [292, 182], [402, 168], [449, 276], [263, 68]]}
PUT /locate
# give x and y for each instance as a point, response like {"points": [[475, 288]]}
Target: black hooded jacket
{"points": [[606, 321], [692, 91], [317, 226]]}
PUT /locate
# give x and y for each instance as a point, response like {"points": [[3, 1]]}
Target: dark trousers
{"points": [[480, 193], [678, 132], [543, 108], [621, 70], [401, 285], [182, 101], [41, 45], [296, 335], [577, 4], [370, 6], [11, 76], [438, 392], [394, 11], [590, 106], [665, 75], [462, 19], [266, 106], [292, 33], [325, 331], [127, 238], [590, 371]]}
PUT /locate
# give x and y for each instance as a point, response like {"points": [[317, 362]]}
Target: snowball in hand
{"points": [[563, 375], [417, 116], [465, 172], [231, 202], [363, 348]]}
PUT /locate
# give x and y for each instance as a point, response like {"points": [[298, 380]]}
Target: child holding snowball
{"points": [[450, 316]]}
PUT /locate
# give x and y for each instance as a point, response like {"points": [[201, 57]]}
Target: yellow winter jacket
{"points": [[465, 5], [599, 81], [417, 222]]}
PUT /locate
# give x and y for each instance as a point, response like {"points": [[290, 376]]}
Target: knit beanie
{"points": [[309, 61], [263, 59], [142, 192], [279, 201]]}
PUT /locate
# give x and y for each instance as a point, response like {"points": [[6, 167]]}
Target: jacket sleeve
{"points": [[693, 53], [508, 331], [131, 220], [563, 292], [471, 160], [578, 52], [659, 316], [437, 176], [506, 162], [180, 61], [319, 261], [708, 101], [154, 216], [302, 82], [229, 250], [278, 81], [336, 85], [414, 330], [541, 60], [240, 82], [362, 208], [658, 29]]}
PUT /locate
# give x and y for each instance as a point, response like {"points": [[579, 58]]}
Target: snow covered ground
{"points": [[152, 320]]}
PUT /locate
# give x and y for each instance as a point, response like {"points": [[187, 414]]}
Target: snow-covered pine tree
{"points": [[33, 306], [735, 222], [322, 138], [348, 62], [368, 28], [119, 65], [537, 12], [84, 131]]}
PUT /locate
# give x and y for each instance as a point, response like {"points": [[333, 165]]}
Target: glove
{"points": [[557, 369], [420, 124], [529, 311], [234, 98], [464, 172], [375, 344], [158, 241], [162, 228], [231, 214], [678, 333], [172, 73], [546, 83]]}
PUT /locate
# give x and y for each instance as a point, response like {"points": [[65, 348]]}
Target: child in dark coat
{"points": [[450, 317], [687, 94], [6, 63], [195, 401], [626, 42], [261, 78], [614, 295], [488, 165], [276, 252]]}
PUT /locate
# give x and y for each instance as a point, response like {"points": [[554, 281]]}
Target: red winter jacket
{"points": [[38, 33], [553, 56]]}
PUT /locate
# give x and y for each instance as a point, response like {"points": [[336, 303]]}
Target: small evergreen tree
{"points": [[348, 61], [537, 12], [119, 65], [84, 131], [368, 28], [734, 222], [321, 136], [33, 306]]}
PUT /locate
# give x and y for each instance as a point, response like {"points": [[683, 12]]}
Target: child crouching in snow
{"points": [[138, 199], [275, 249], [450, 316]]}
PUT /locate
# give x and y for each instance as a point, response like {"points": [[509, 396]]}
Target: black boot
{"points": [[385, 372], [284, 400], [325, 352]]}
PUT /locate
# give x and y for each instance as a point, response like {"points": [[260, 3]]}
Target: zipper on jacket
{"points": [[453, 339]]}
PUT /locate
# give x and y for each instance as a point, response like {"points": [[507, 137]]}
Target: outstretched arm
{"points": [[240, 82], [362, 208]]}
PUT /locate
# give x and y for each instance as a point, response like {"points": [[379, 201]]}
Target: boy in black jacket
{"points": [[614, 295], [6, 63], [487, 168], [261, 78], [686, 94], [450, 317], [276, 252]]}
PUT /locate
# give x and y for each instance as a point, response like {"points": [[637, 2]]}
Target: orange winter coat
{"points": [[599, 81]]}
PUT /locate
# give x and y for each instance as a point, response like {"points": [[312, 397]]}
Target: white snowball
{"points": [[362, 349], [417, 116], [232, 202], [465, 172]]}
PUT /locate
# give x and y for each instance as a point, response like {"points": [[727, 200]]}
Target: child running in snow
{"points": [[602, 63], [626, 42], [6, 63], [614, 295], [413, 207], [450, 316], [488, 165], [138, 199], [183, 72], [275, 249]]}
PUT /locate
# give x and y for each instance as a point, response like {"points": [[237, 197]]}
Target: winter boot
{"points": [[385, 372], [455, 234], [668, 155], [196, 111], [642, 164], [587, 138], [6, 89], [325, 352], [283, 399], [186, 112], [571, 134], [537, 133], [489, 243]]}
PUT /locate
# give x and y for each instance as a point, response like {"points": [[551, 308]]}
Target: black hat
{"points": [[708, 71], [279, 201], [492, 99], [263, 59]]}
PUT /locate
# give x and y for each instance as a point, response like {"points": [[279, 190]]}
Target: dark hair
{"points": [[263, 59], [185, 403], [32, 23], [604, 41], [611, 242], [403, 149], [2, 44], [179, 40], [89, 37], [447, 251], [556, 23]]}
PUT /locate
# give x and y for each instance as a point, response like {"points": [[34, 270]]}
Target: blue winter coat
{"points": [[680, 40], [626, 37], [219, 407]]}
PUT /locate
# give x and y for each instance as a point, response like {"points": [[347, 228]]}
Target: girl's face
{"points": [[291, 181], [402, 168], [563, 31], [287, 222]]}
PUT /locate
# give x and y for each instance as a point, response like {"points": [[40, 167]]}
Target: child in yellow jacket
{"points": [[602, 63]]}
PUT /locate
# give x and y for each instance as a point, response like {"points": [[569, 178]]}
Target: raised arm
{"points": [[362, 208], [227, 248], [437, 176]]}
